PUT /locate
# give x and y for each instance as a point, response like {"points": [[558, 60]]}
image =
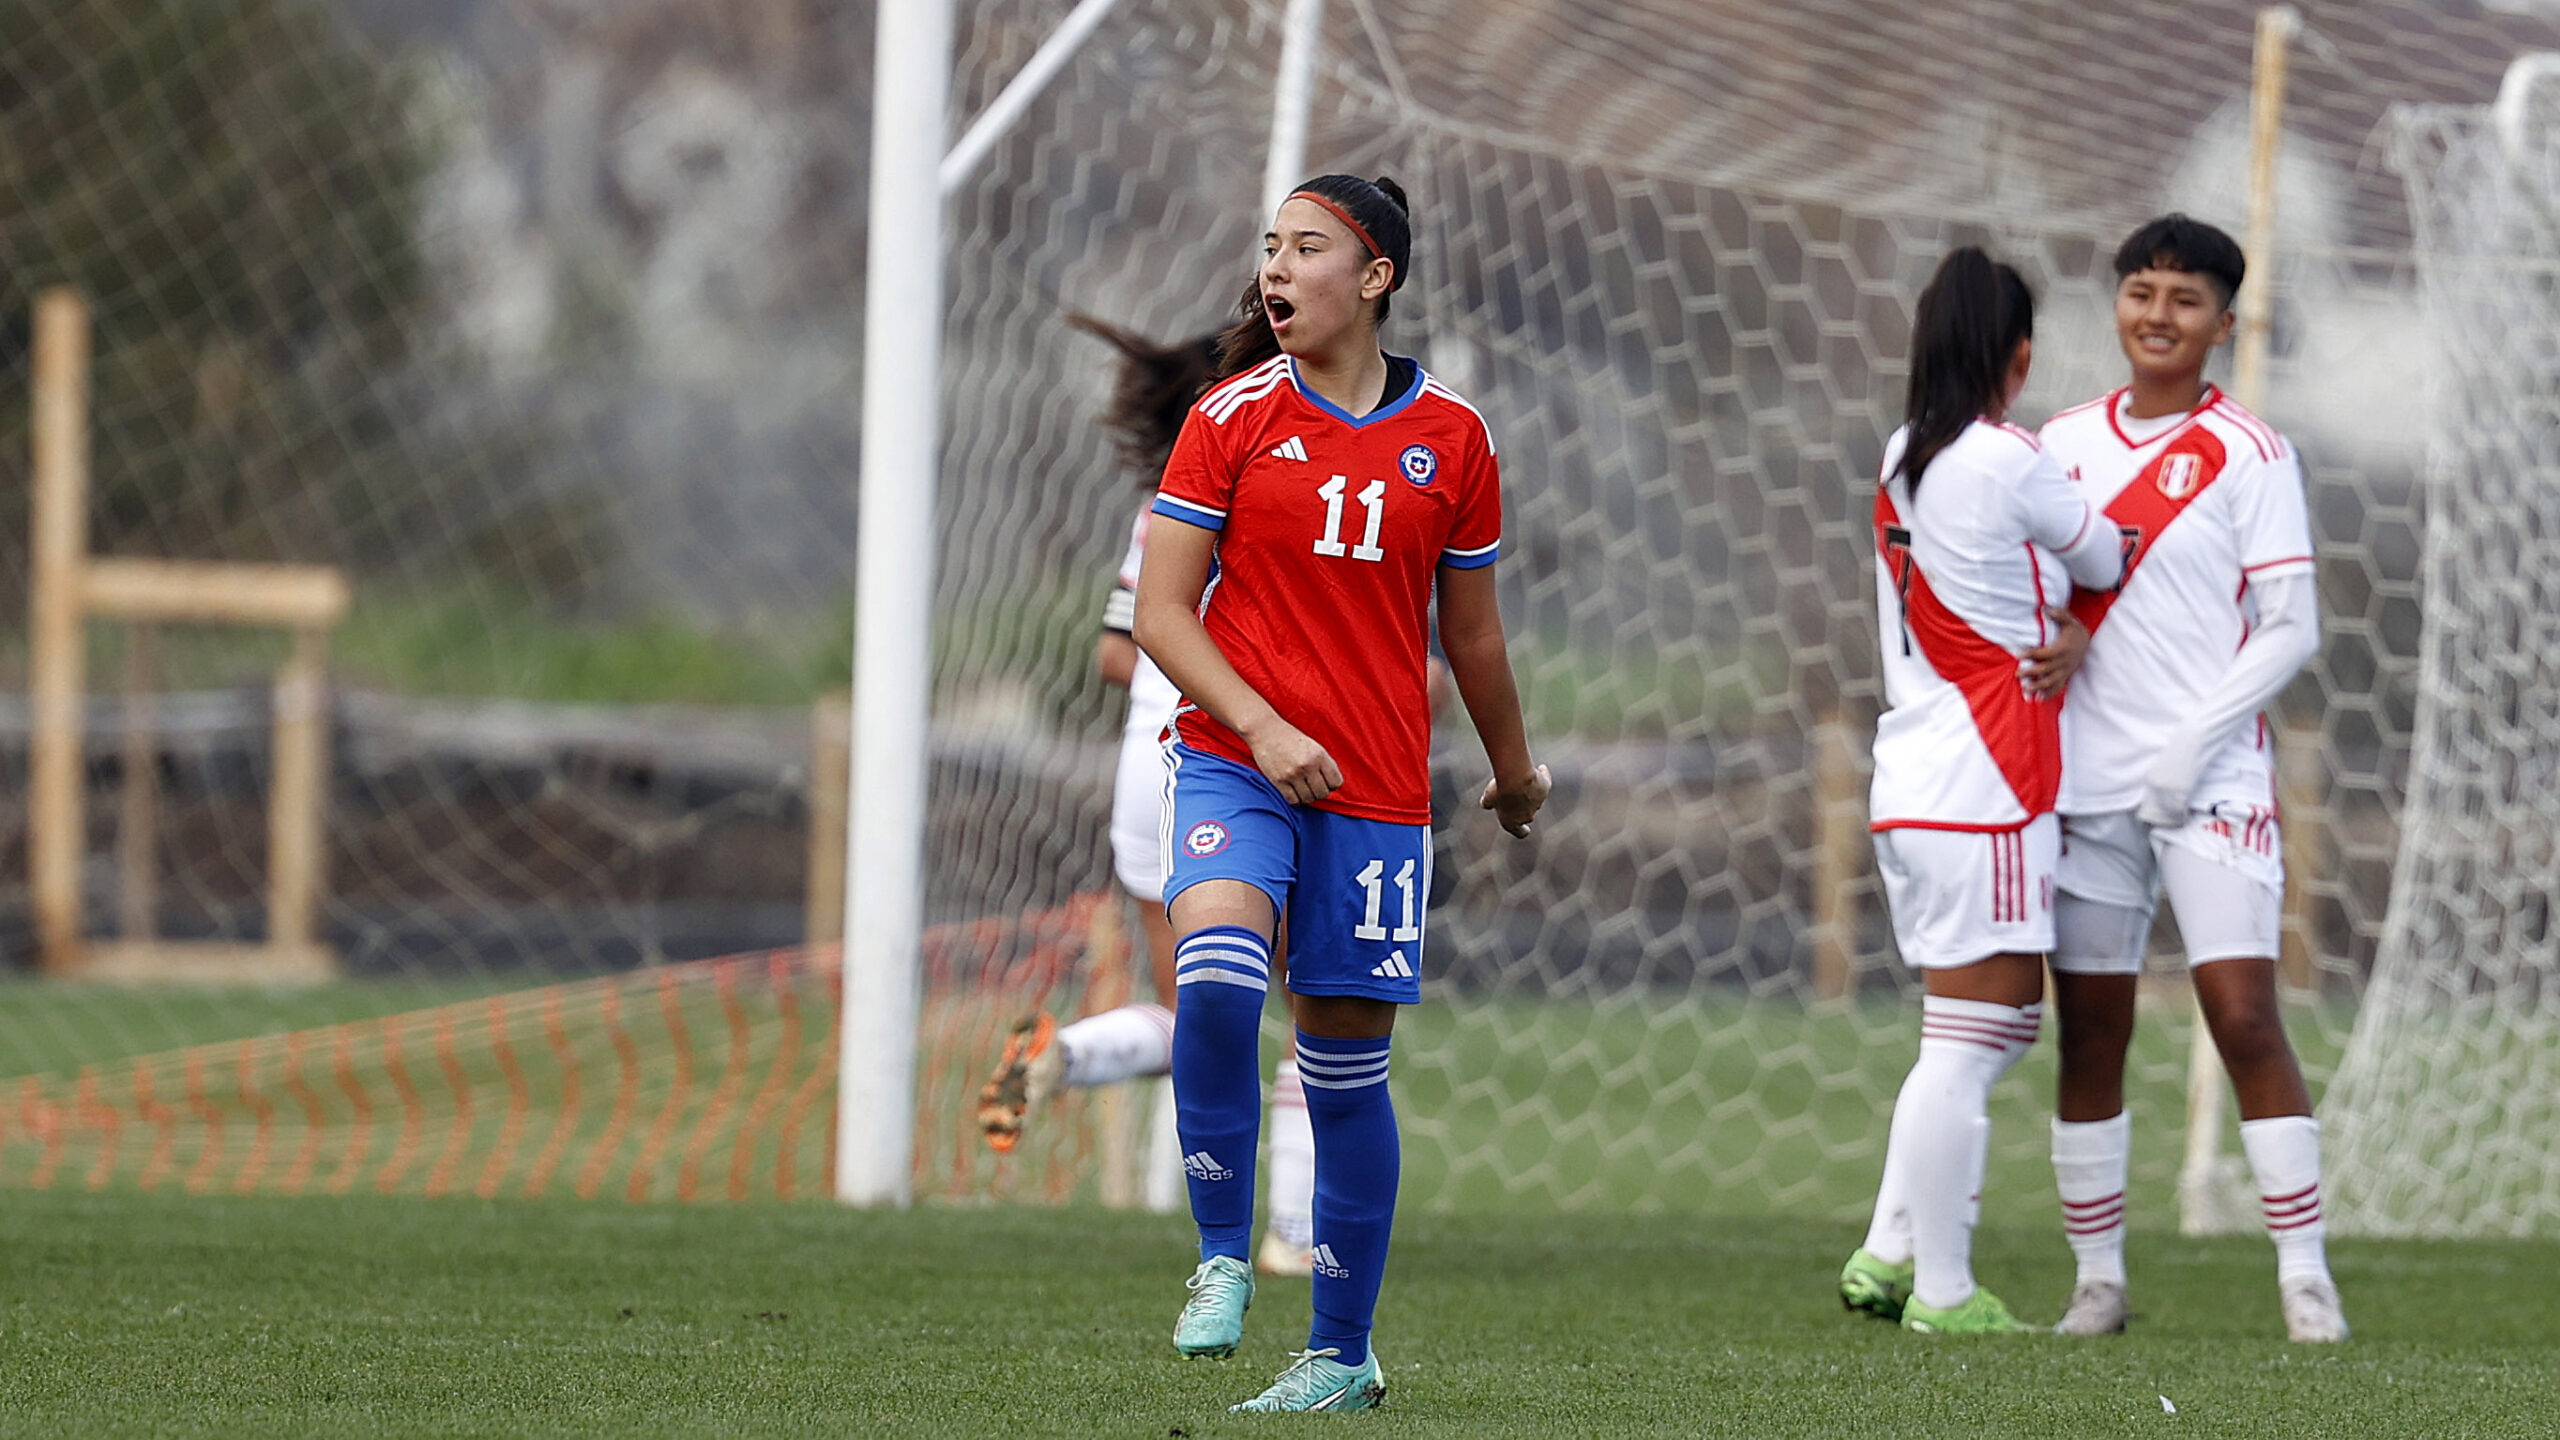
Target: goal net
{"points": [[1672, 255], [542, 324], [2448, 1098]]}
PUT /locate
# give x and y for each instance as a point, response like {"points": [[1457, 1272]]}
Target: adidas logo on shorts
{"points": [[1394, 967], [1327, 1266], [1201, 1165]]}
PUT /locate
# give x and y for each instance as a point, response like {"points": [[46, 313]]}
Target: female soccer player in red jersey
{"points": [[1314, 504], [1979, 537]]}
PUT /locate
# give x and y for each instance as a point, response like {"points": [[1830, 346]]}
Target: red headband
{"points": [[1359, 232]]}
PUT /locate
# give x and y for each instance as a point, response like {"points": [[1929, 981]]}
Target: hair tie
{"points": [[1359, 231]]}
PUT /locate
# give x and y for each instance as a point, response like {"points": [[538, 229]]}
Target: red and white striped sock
{"points": [[2284, 1155], [1942, 1128], [1980, 1034], [2090, 1159]]}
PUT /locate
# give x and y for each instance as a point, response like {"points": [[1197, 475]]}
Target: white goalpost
{"points": [[893, 636], [901, 411]]}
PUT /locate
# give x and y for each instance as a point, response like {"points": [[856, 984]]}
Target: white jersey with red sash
{"points": [[1964, 570], [2207, 503]]}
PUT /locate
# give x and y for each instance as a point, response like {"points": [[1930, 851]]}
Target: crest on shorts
{"points": [[1418, 463], [2179, 473], [1206, 838]]}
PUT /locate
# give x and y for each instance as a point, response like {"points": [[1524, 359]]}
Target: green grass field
{"points": [[1613, 1295], [133, 1315]]}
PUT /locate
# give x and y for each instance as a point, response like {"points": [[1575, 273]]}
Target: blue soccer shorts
{"points": [[1353, 889]]}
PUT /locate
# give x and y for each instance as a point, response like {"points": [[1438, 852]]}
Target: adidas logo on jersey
{"points": [[1327, 1266], [1394, 967], [1201, 1165], [1292, 448]]}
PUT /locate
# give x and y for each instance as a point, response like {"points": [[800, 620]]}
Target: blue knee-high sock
{"points": [[1358, 1162], [1221, 974]]}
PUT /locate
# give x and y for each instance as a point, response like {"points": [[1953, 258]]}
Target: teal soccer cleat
{"points": [[1314, 1381], [1874, 1286], [1212, 1320]]}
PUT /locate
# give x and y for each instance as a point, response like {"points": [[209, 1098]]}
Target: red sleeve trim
{"points": [[2271, 564], [2261, 434], [2106, 399]]}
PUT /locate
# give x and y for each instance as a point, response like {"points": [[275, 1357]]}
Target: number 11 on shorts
{"points": [[1370, 877]]}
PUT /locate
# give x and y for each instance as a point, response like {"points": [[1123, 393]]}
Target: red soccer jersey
{"points": [[1330, 530]]}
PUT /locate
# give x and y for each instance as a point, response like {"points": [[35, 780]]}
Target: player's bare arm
{"points": [[1169, 630], [1480, 662], [1115, 659]]}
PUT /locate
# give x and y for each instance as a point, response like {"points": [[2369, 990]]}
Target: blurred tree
{"points": [[234, 184]]}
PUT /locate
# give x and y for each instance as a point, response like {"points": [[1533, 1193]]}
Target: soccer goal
{"points": [[1672, 258], [2448, 1098], [542, 328]]}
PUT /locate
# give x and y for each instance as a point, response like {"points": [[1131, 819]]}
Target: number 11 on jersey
{"points": [[1369, 878], [1373, 498]]}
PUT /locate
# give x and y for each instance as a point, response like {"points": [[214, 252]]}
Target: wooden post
{"points": [[830, 782], [297, 794], [1840, 839], [69, 589], [59, 535], [2305, 809], [2200, 1208], [138, 819]]}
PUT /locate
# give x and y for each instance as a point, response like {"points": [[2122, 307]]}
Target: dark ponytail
{"points": [[1152, 392], [1377, 207], [1963, 336]]}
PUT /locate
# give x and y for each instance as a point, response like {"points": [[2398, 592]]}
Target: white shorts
{"points": [[1137, 810], [2223, 869], [1959, 896]]}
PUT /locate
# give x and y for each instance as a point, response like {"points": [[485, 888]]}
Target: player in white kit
{"points": [[1154, 391], [2169, 777], [1979, 538]]}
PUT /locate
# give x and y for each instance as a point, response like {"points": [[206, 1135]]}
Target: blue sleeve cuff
{"points": [[1190, 514]]}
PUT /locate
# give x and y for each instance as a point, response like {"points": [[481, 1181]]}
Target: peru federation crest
{"points": [[2179, 474]]}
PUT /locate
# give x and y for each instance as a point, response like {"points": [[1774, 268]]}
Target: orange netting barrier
{"points": [[705, 1081]]}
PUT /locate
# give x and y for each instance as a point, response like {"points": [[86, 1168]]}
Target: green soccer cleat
{"points": [[1314, 1381], [1980, 1314], [1874, 1286], [1212, 1320]]}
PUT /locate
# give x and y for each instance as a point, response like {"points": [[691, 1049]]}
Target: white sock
{"points": [[2284, 1155], [1890, 1228], [1889, 1231], [1118, 1045], [1163, 1191], [1292, 1178], [1942, 1129], [2090, 1158]]}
